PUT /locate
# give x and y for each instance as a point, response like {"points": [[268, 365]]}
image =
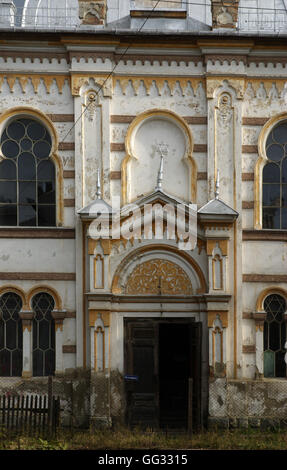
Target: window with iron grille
{"points": [[43, 335], [11, 335], [274, 336], [274, 179], [27, 175]]}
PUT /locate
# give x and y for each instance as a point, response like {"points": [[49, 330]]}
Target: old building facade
{"points": [[109, 107]]}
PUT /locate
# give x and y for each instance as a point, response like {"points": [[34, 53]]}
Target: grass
{"points": [[124, 439]]}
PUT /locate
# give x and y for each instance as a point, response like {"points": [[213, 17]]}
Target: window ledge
{"points": [[37, 232], [265, 234]]}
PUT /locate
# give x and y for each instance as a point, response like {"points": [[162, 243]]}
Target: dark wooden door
{"points": [[142, 378], [141, 373]]}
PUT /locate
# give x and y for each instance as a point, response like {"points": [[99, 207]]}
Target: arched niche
{"points": [[151, 134]]}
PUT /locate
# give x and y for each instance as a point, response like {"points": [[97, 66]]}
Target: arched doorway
{"points": [[163, 344]]}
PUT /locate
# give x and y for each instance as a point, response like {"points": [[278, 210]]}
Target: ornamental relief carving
{"points": [[158, 277], [225, 111]]}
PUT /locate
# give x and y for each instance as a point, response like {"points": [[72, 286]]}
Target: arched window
{"points": [[274, 194], [274, 336], [43, 335], [11, 335], [27, 175]]}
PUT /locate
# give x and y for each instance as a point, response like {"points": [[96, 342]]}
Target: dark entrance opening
{"points": [[161, 356], [174, 371]]}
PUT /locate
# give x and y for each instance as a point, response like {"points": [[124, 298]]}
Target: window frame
{"points": [[18, 333], [266, 333], [30, 113]]}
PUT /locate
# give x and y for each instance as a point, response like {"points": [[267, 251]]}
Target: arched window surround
{"points": [[26, 112], [165, 115], [260, 163], [260, 316]]}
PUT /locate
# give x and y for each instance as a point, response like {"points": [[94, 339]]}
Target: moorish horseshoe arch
{"points": [[42, 118], [141, 252], [260, 163], [177, 121]]}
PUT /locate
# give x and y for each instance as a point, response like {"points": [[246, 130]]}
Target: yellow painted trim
{"points": [[23, 79], [270, 290], [150, 114], [93, 315], [48, 290], [211, 316], [18, 291]]}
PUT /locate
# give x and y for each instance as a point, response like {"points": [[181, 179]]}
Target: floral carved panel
{"points": [[157, 277]]}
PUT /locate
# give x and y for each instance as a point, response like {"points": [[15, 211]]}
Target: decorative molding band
{"points": [[247, 315], [32, 55], [117, 147], [70, 314], [154, 85], [267, 60], [143, 58], [262, 87], [66, 146], [200, 148], [248, 348], [247, 204], [157, 14], [221, 58], [264, 277], [135, 58], [195, 119], [69, 349], [247, 176], [61, 117], [254, 121], [121, 119], [69, 202], [125, 119], [115, 175], [264, 235], [7, 276], [23, 232], [23, 79], [249, 149], [69, 174]]}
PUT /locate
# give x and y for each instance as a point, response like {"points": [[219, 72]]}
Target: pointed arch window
{"points": [[43, 335], [274, 336], [274, 194], [11, 335], [27, 175]]}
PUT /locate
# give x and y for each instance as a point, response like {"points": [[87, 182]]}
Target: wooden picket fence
{"points": [[30, 413]]}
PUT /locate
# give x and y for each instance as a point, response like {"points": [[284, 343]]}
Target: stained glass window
{"points": [[27, 175], [275, 179], [274, 336], [43, 335], [11, 336]]}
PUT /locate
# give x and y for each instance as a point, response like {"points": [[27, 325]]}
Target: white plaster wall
{"points": [[264, 258], [43, 255]]}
